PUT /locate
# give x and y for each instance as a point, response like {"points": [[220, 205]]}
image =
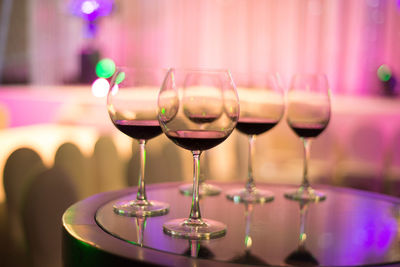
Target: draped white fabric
{"points": [[347, 39]]}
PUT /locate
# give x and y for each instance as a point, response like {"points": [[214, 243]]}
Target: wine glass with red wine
{"points": [[205, 189], [261, 108], [198, 109], [132, 106], [308, 114]]}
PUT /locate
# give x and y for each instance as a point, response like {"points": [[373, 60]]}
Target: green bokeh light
{"points": [[384, 73], [105, 68]]}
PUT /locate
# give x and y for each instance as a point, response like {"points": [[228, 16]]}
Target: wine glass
{"points": [[261, 108], [132, 106], [198, 109], [308, 115]]}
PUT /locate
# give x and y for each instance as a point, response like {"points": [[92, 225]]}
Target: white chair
{"points": [[163, 162], [70, 159], [49, 195], [109, 172], [20, 169], [325, 154], [362, 163], [4, 117], [392, 166]]}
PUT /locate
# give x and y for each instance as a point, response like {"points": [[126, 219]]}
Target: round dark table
{"points": [[349, 228]]}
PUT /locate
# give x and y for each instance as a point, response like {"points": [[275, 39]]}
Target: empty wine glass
{"points": [[198, 109], [308, 115], [261, 108], [132, 106]]}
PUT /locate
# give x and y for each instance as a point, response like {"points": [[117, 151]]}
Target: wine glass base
{"points": [[137, 208], [246, 196], [204, 189], [208, 229], [307, 194]]}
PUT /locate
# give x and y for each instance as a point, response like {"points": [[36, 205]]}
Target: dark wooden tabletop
{"points": [[349, 228]]}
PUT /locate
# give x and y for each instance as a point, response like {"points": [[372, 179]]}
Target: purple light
{"points": [[91, 10], [88, 7]]}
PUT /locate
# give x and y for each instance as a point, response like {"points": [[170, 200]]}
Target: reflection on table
{"points": [[350, 228]]}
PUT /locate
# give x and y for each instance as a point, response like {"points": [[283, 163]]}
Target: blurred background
{"points": [[54, 121]]}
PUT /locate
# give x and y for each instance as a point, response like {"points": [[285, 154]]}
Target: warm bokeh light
{"points": [[105, 68], [100, 87]]}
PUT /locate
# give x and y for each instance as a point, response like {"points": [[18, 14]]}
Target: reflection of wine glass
{"points": [[247, 257], [308, 115], [140, 227], [301, 256], [132, 106], [261, 108], [198, 109], [197, 250]]}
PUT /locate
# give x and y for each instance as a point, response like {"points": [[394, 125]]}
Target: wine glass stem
{"points": [[250, 185], [195, 215], [141, 194], [306, 144]]}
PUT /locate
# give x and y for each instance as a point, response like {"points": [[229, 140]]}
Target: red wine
{"points": [[139, 129], [197, 140], [255, 126], [308, 129]]}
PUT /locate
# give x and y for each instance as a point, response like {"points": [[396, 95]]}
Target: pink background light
{"points": [[348, 40]]}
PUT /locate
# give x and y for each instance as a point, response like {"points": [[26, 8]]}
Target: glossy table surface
{"points": [[349, 228]]}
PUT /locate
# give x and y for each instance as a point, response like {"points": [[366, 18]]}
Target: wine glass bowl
{"points": [[198, 109], [202, 103], [308, 114], [132, 107], [261, 108]]}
